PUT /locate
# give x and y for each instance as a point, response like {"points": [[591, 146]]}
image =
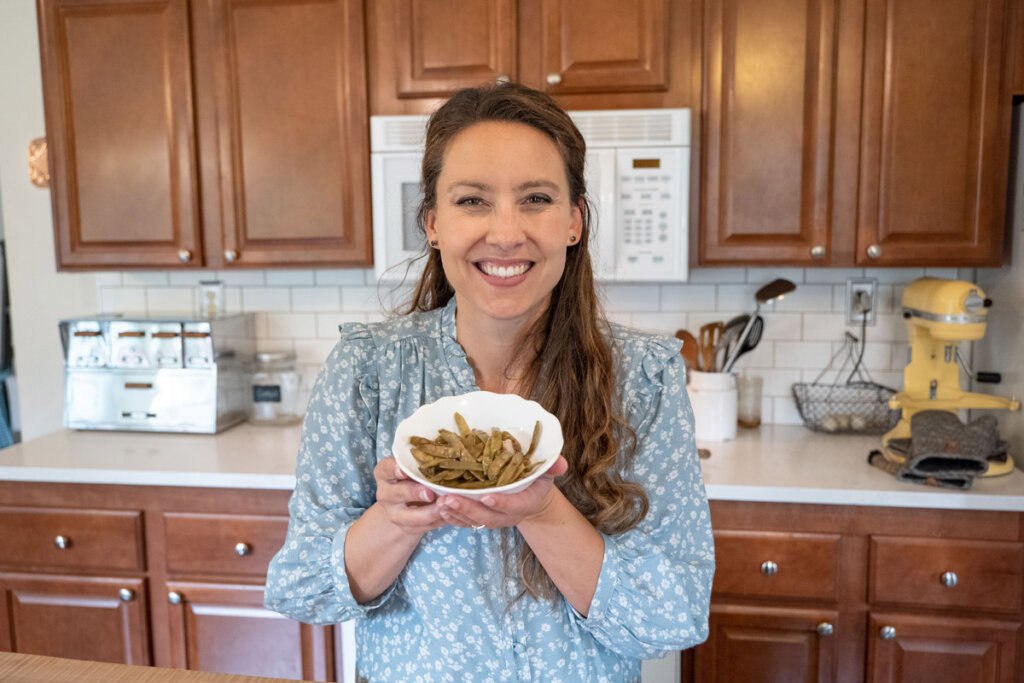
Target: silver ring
{"points": [[478, 527]]}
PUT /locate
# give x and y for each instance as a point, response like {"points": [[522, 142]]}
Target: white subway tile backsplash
{"points": [[762, 276], [832, 275], [238, 278], [822, 327], [659, 323], [143, 278], [316, 299], [327, 323], [266, 299], [108, 279], [688, 298], [170, 300], [300, 310], [289, 277], [289, 325], [122, 299], [801, 354], [717, 275], [631, 298], [339, 276], [782, 326]]}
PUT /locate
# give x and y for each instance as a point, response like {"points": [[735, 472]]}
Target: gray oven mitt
{"points": [[942, 446]]}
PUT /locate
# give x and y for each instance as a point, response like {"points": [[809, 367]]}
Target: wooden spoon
{"points": [[691, 349]]}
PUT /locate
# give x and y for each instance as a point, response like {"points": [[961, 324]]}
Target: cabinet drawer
{"points": [[776, 564], [71, 539], [985, 575], [222, 544]]}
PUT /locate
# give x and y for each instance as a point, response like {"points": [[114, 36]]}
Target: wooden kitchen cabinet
{"points": [[1015, 55], [806, 593], [72, 583], [210, 133], [589, 55], [172, 577], [103, 619], [864, 133]]}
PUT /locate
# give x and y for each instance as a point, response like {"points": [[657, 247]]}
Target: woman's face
{"points": [[503, 221]]}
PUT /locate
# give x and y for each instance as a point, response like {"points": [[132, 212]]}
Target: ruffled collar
{"points": [[454, 354]]}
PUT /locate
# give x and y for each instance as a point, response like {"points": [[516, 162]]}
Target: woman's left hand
{"points": [[499, 510]]}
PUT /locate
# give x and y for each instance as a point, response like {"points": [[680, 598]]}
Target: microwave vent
{"points": [[634, 127], [397, 133]]}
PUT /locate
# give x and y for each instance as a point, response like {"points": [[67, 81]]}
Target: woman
{"points": [[604, 561]]}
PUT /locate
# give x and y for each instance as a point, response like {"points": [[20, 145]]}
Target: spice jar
{"points": [[275, 385]]}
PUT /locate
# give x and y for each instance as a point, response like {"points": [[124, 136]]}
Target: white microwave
{"points": [[638, 179]]}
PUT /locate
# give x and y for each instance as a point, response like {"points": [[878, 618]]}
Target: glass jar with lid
{"points": [[275, 385]]}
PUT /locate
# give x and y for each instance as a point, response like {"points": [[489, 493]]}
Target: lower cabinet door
{"points": [[767, 645], [98, 619], [906, 647], [224, 628]]}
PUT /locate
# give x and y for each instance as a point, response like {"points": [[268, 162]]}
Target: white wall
{"points": [[39, 295], [1000, 350]]}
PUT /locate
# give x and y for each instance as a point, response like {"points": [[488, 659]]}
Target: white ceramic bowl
{"points": [[482, 410]]}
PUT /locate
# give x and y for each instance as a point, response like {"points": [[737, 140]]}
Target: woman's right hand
{"points": [[408, 505]]}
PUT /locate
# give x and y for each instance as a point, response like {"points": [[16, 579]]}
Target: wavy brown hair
{"points": [[572, 371]]}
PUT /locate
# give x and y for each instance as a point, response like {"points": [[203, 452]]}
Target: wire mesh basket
{"points": [[859, 405]]}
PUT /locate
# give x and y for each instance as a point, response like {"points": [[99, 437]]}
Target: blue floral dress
{"points": [[449, 616]]}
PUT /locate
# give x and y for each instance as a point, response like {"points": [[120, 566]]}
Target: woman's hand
{"points": [[499, 510], [408, 505]]}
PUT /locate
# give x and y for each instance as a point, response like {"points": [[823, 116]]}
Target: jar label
{"points": [[266, 393]]}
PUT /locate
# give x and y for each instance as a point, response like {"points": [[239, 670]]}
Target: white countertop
{"points": [[775, 463]]}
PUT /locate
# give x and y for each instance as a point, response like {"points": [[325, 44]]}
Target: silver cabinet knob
{"points": [[874, 251], [948, 579], [174, 598], [62, 542], [554, 79], [243, 549], [826, 629], [887, 632], [127, 594], [184, 255], [817, 252], [230, 255], [769, 568], [503, 78]]}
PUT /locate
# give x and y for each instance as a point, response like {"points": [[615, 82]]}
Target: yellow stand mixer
{"points": [[940, 314]]}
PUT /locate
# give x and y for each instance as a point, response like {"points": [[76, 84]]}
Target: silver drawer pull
{"points": [[887, 632], [769, 568], [127, 594], [243, 549], [826, 629], [948, 579], [62, 542], [174, 598]]}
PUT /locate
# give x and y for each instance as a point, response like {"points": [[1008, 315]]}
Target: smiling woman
{"points": [[604, 560]]}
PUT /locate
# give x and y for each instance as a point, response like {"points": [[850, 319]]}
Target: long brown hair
{"points": [[572, 373]]}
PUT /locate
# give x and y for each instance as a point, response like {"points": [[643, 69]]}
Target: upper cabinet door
{"points": [[440, 46], [282, 124], [593, 46], [766, 188], [935, 134], [117, 89]]}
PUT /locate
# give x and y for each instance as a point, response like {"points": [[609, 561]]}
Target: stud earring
{"points": [[433, 243], [572, 239]]}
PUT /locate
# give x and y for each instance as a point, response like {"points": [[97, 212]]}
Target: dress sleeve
{"points": [[654, 590], [334, 485]]}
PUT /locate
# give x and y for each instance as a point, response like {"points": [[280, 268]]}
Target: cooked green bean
{"points": [[473, 458]]}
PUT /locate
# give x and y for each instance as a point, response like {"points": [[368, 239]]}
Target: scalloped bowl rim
{"points": [[482, 410]]}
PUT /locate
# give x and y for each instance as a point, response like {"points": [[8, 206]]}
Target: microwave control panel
{"points": [[651, 235]]}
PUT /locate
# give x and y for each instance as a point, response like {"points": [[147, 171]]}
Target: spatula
{"points": [[691, 349]]}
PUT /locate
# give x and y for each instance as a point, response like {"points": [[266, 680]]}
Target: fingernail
{"points": [[425, 495]]}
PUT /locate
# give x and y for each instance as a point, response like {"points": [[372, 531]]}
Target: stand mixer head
{"points": [[940, 314]]}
